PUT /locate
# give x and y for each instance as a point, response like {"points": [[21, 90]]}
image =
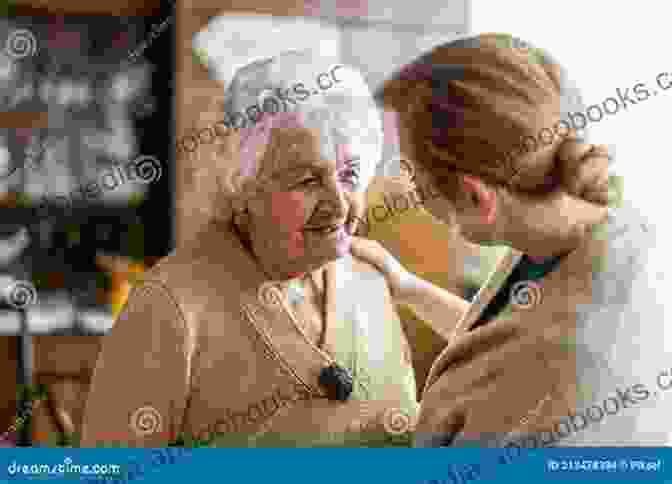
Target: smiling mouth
{"points": [[325, 229]]}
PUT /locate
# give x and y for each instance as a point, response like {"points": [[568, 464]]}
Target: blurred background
{"points": [[84, 91], [98, 110], [81, 104], [103, 109], [605, 49]]}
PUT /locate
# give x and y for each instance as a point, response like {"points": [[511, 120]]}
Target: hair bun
{"points": [[584, 169]]}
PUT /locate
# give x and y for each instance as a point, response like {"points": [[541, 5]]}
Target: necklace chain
{"points": [[320, 343]]}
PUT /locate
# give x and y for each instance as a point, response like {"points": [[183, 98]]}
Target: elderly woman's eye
{"points": [[308, 182]]}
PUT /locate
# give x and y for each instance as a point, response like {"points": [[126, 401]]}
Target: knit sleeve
{"points": [[141, 382]]}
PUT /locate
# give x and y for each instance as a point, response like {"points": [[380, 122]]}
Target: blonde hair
{"points": [[472, 105]]}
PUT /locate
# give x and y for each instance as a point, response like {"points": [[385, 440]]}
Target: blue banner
{"points": [[336, 466]]}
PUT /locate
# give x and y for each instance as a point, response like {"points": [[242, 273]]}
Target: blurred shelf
{"points": [[29, 216], [10, 322], [55, 314]]}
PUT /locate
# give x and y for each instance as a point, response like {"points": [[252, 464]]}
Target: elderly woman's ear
{"points": [[207, 186]]}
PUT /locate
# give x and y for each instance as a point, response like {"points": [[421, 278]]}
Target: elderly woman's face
{"points": [[310, 192]]}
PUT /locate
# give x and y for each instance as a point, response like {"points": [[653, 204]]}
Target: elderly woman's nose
{"points": [[334, 195]]}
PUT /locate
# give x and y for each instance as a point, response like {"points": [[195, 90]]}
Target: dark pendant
{"points": [[337, 381]]}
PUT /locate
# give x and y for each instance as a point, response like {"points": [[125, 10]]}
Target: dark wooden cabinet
{"points": [[8, 369]]}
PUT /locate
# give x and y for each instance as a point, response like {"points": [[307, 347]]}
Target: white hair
{"points": [[269, 87]]}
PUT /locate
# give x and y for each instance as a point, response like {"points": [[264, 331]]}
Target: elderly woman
{"points": [[566, 343], [266, 331]]}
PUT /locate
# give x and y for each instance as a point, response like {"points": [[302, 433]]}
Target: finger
{"points": [[573, 149], [371, 249], [598, 193], [599, 160], [594, 180], [571, 156], [592, 168], [578, 163], [362, 245], [601, 150]]}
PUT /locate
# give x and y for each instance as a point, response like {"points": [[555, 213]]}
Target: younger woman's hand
{"points": [[441, 310], [399, 280], [585, 170]]}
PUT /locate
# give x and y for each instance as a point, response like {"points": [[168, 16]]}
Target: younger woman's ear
{"points": [[408, 168], [481, 197]]}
